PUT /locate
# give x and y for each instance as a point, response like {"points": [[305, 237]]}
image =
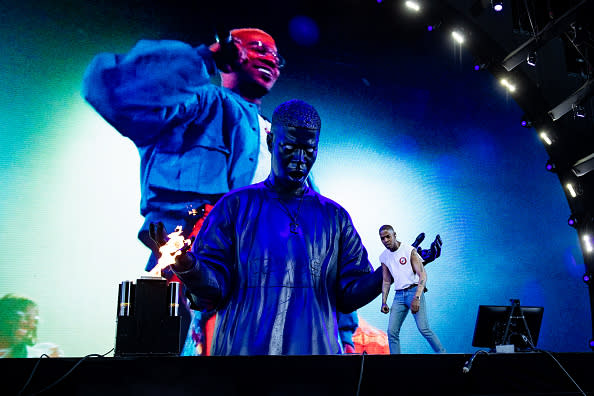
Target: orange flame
{"points": [[170, 251]]}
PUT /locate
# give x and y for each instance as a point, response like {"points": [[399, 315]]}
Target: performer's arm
{"points": [[387, 281], [417, 264], [154, 84], [206, 271], [358, 283]]}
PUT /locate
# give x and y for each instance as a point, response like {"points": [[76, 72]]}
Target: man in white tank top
{"points": [[402, 265]]}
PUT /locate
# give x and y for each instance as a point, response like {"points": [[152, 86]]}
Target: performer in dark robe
{"points": [[276, 259]]}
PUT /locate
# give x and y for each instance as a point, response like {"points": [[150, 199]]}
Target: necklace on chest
{"points": [[293, 215], [294, 224]]}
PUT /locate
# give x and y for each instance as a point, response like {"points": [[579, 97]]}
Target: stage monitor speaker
{"points": [[148, 321]]}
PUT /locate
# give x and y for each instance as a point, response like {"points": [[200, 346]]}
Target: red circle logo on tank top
{"points": [[402, 260]]}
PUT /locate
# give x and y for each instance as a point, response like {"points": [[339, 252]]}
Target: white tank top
{"points": [[263, 165], [398, 262]]}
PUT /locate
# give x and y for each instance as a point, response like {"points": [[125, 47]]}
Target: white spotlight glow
{"points": [[571, 190], [510, 87], [588, 243], [413, 5], [458, 37], [498, 5], [546, 138]]}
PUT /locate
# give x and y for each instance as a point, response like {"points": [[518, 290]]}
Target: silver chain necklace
{"points": [[293, 225]]}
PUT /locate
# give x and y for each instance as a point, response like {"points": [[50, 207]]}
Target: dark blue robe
{"points": [[277, 292]]}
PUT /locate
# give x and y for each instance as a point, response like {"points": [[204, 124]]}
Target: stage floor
{"points": [[528, 373]]}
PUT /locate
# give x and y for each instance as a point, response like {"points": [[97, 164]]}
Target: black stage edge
{"points": [[528, 373]]}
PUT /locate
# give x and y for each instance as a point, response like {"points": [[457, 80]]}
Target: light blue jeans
{"points": [[398, 312]]}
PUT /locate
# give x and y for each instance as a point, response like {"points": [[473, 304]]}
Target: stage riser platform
{"points": [[494, 374]]}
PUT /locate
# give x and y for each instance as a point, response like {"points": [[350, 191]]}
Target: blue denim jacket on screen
{"points": [[196, 140]]}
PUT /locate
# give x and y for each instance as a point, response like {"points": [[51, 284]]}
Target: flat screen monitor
{"points": [[491, 322]]}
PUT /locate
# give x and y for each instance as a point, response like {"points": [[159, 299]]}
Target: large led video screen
{"points": [[411, 136]]}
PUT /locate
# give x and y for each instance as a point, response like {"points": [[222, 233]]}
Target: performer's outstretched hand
{"points": [[173, 249], [428, 255], [184, 261], [158, 234]]}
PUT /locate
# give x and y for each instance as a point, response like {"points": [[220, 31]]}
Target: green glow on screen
{"points": [[69, 190]]}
